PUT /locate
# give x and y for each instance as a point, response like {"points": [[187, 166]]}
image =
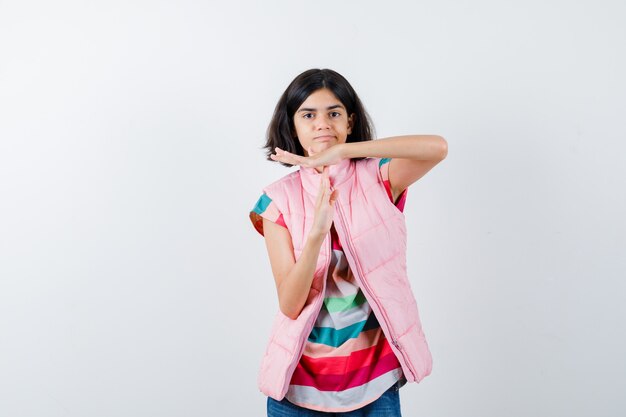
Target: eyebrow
{"points": [[336, 106]]}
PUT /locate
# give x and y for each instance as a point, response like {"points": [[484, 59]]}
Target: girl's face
{"points": [[322, 121]]}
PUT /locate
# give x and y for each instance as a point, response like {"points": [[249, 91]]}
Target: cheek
{"points": [[299, 128]]}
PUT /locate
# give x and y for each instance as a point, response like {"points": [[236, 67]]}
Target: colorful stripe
{"points": [[334, 304], [341, 364], [346, 380], [264, 208], [336, 337], [346, 400], [365, 340], [384, 172], [344, 318], [262, 204]]}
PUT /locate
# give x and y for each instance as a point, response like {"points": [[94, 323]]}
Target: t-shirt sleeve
{"points": [[384, 173], [265, 208]]}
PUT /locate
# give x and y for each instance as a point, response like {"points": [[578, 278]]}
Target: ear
{"points": [[351, 123]]}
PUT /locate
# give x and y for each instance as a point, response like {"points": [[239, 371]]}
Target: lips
{"points": [[324, 138]]}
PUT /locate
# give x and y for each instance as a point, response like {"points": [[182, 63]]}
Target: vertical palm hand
{"points": [[324, 205]]}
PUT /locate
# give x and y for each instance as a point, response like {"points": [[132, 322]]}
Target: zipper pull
{"points": [[396, 344]]}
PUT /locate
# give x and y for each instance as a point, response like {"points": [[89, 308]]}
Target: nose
{"points": [[322, 123]]}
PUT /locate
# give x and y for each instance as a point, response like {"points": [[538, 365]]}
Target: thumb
{"points": [[333, 197]]}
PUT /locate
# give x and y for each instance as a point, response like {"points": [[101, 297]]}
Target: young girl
{"points": [[348, 334]]}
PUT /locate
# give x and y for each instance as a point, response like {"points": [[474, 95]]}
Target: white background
{"points": [[132, 283]]}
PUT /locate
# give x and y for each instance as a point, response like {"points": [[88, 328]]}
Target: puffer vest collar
{"points": [[338, 173]]}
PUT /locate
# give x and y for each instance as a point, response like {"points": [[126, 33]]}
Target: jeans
{"points": [[388, 405]]}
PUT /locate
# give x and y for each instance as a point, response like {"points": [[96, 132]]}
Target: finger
{"points": [[327, 191], [277, 155], [326, 173], [283, 156], [321, 194], [290, 158]]}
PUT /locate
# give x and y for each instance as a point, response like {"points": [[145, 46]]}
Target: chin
{"points": [[321, 146]]}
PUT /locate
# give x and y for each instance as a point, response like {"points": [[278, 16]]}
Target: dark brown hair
{"points": [[281, 131]]}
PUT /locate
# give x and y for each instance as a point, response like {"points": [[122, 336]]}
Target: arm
{"points": [[293, 278], [412, 156]]}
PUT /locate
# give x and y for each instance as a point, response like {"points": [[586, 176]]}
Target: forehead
{"points": [[321, 98]]}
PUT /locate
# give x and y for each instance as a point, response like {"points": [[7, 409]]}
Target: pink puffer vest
{"points": [[373, 233]]}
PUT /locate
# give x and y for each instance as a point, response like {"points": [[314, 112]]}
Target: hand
{"points": [[329, 156], [324, 205]]}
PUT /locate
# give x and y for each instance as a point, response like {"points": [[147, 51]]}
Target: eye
{"points": [[307, 116], [335, 114]]}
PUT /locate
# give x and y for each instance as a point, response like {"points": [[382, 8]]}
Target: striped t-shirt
{"points": [[347, 362]]}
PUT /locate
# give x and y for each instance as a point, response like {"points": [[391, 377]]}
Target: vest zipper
{"points": [[368, 295], [311, 322]]}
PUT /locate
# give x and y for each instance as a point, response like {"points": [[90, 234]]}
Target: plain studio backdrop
{"points": [[132, 283]]}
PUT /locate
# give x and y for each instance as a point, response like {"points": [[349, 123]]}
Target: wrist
{"points": [[316, 237], [345, 150]]}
